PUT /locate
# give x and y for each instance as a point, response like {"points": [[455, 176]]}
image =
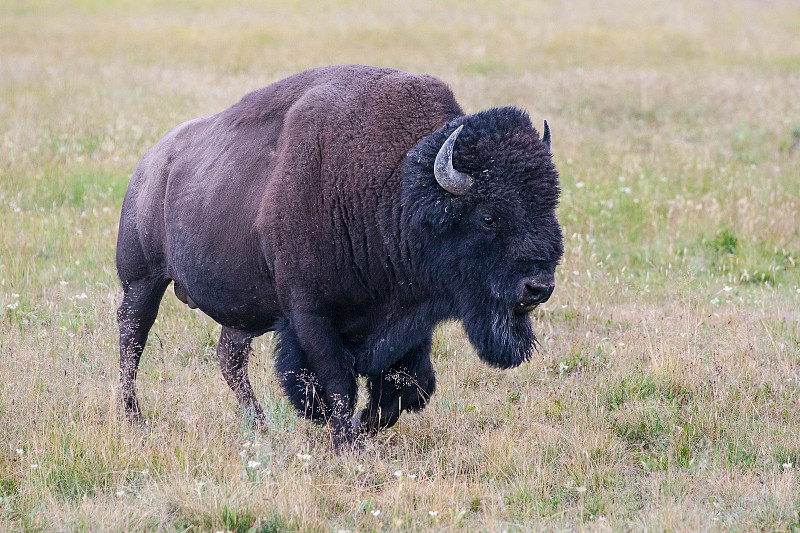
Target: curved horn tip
{"points": [[546, 136], [450, 179]]}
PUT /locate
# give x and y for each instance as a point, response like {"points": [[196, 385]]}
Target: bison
{"points": [[349, 209]]}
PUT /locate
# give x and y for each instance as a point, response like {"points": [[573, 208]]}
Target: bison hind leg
{"points": [[298, 381], [136, 315], [234, 350]]}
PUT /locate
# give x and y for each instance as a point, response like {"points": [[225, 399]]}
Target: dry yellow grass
{"points": [[666, 395]]}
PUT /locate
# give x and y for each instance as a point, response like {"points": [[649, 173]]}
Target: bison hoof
{"points": [[255, 420], [363, 425], [136, 419], [346, 438], [355, 422]]}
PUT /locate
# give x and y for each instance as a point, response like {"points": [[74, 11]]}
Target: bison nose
{"points": [[534, 292], [538, 293]]}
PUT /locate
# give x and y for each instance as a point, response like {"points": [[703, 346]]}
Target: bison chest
{"points": [[377, 340]]}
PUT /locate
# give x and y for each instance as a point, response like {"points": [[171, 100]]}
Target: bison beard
{"points": [[350, 210], [505, 340]]}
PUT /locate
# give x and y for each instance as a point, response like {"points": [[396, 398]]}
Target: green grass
{"points": [[665, 395]]}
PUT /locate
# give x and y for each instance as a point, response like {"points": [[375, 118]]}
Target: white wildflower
{"points": [[253, 464], [433, 513], [303, 457], [376, 512], [398, 473]]}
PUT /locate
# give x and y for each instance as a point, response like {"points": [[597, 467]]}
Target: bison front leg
{"points": [[234, 350], [406, 386], [317, 374]]}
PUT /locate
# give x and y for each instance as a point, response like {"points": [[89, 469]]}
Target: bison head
{"points": [[480, 194]]}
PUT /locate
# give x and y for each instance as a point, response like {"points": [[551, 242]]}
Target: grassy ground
{"points": [[666, 395]]}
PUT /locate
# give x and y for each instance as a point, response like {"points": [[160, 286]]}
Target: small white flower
{"points": [[412, 476], [20, 451], [15, 295], [303, 457], [787, 465], [360, 469], [70, 334], [120, 493], [13, 306], [398, 473], [62, 282], [726, 289], [34, 466], [580, 185], [376, 512], [433, 513], [146, 471], [253, 464], [246, 444], [81, 296]]}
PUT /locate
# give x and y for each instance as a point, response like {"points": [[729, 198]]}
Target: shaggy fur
{"points": [[310, 208]]}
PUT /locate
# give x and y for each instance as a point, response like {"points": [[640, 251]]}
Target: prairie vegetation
{"points": [[665, 395]]}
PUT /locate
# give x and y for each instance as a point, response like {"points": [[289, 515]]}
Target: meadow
{"points": [[665, 395]]}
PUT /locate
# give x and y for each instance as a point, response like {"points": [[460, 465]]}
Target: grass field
{"points": [[666, 394]]}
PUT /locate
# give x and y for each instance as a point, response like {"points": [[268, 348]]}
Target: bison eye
{"points": [[488, 220]]}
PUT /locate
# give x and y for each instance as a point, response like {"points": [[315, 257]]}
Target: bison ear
{"points": [[450, 179], [546, 136]]}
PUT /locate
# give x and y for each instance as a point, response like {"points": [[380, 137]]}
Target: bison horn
{"points": [[546, 136], [450, 179]]}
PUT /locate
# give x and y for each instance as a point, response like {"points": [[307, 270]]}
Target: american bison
{"points": [[349, 209]]}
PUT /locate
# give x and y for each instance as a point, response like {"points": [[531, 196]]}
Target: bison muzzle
{"points": [[350, 210]]}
